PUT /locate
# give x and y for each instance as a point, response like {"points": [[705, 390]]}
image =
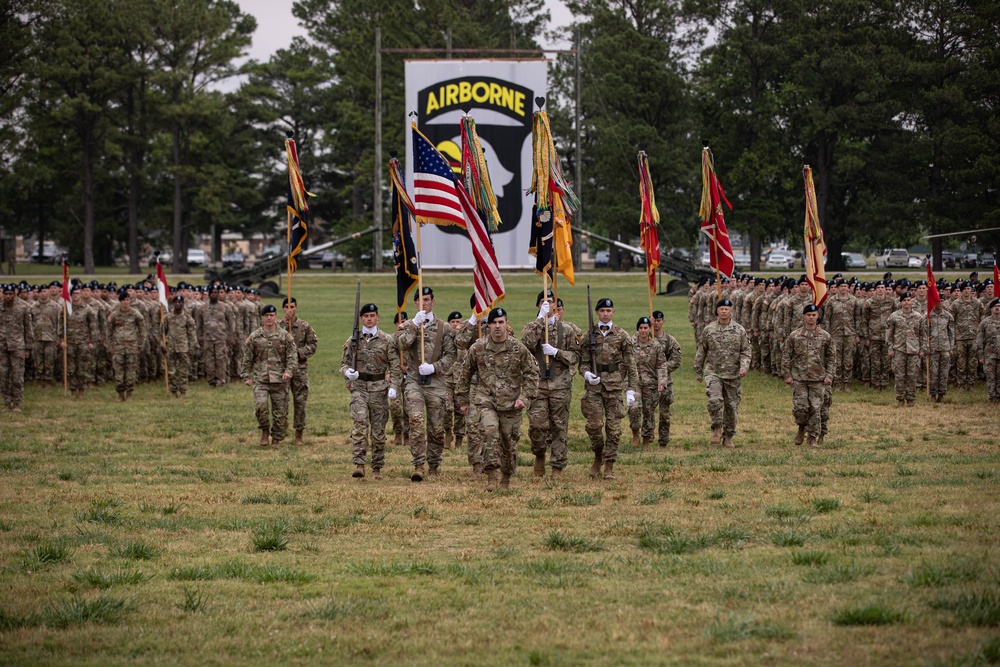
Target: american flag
{"points": [[439, 199]]}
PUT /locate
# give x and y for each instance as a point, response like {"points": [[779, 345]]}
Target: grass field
{"points": [[156, 531]]}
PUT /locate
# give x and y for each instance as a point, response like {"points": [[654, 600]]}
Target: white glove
{"points": [[591, 378], [549, 351], [543, 310], [426, 369], [629, 397], [351, 374], [473, 320], [419, 318], [392, 394]]}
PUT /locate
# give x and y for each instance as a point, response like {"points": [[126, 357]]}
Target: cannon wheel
{"points": [[269, 288]]}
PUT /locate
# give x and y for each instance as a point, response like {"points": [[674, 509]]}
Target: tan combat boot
{"points": [[540, 465], [609, 470], [376, 473], [556, 473], [728, 442], [418, 474], [359, 472], [458, 442], [432, 472], [15, 407], [298, 438], [801, 435], [275, 443], [635, 439], [595, 467], [128, 396], [449, 438], [477, 472], [397, 439], [812, 441], [717, 436], [505, 481], [121, 397], [265, 438], [493, 479], [645, 443]]}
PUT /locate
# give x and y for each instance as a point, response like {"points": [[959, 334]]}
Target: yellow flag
{"points": [[815, 245], [563, 239]]}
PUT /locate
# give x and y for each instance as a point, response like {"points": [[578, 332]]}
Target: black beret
{"points": [[7, 288], [268, 309], [178, 298], [604, 303], [723, 302], [543, 294], [428, 291], [368, 308], [559, 303], [657, 314], [55, 283], [905, 295], [455, 315], [288, 300], [124, 295], [994, 302], [400, 315], [494, 314], [642, 320], [810, 308]]}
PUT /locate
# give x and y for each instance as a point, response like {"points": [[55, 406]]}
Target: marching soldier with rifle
{"points": [[369, 355], [608, 368]]}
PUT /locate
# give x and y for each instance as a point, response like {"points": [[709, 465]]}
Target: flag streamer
{"points": [[649, 218], [547, 176], [555, 202], [713, 222], [476, 175], [297, 205], [407, 263], [815, 261]]}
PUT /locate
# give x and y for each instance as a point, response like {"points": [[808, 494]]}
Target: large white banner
{"points": [[501, 94]]}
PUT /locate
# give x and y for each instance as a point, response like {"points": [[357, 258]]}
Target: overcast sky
{"points": [[276, 26]]}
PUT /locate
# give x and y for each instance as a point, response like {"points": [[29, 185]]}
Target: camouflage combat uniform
{"points": [[397, 410], [876, 314], [838, 320], [602, 404], [127, 335], [81, 333], [268, 355], [305, 346], [507, 373], [47, 323], [941, 345], [651, 368], [548, 414], [216, 330], [465, 337], [723, 354], [377, 356], [988, 348], [809, 360], [16, 340], [182, 347], [904, 336], [427, 403], [968, 315]]}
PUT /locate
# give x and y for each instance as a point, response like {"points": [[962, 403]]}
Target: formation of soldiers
{"points": [[876, 333]]}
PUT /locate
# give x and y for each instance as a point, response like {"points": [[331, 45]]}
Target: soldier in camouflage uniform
{"points": [[216, 332], [808, 365], [651, 367], [81, 332], [548, 414], [601, 405], [761, 324], [305, 347], [876, 314], [838, 315], [508, 380], [127, 333], [375, 359], [941, 345], [465, 337], [47, 322], [454, 420], [723, 358], [269, 360], [400, 422], [181, 335], [426, 399], [988, 348], [672, 353], [16, 340], [968, 312], [906, 340]]}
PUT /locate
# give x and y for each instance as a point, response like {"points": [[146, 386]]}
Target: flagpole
{"points": [[420, 292], [289, 262], [163, 341], [65, 352]]}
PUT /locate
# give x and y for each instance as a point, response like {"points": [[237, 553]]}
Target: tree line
{"points": [[133, 122]]}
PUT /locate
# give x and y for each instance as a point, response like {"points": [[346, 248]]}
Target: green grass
{"points": [[873, 614], [693, 555]]}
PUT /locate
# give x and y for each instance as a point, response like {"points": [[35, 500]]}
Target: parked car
{"points": [[706, 259], [50, 254], [233, 258], [197, 257], [166, 257], [986, 260], [969, 260], [780, 259], [331, 259], [896, 258], [916, 261], [741, 260], [854, 260], [270, 251], [949, 260], [602, 258]]}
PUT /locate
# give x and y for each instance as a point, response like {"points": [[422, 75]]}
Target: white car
{"points": [[896, 258], [706, 259], [916, 262], [741, 260], [780, 259], [197, 257]]}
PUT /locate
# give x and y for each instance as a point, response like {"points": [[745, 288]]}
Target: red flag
{"points": [[713, 223], [648, 219], [933, 296], [996, 280], [161, 285], [65, 293]]}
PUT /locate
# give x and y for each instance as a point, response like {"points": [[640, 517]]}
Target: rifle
{"points": [[593, 335], [356, 334]]}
